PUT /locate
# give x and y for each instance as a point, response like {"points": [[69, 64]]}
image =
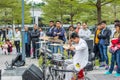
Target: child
{"points": [[5, 48], [9, 46]]}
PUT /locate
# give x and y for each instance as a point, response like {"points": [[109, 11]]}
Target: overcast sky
{"points": [[36, 1]]}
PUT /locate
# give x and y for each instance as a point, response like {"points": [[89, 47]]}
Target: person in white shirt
{"points": [[42, 34], [84, 33], [80, 58], [17, 38], [10, 33]]}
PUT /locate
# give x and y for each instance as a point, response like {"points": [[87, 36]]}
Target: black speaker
{"points": [[90, 44], [0, 74], [32, 73], [18, 61]]}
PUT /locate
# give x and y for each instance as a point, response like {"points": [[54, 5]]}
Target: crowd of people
{"points": [[75, 37], [101, 43]]}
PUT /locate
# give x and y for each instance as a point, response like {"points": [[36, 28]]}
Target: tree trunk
{"points": [[71, 18], [98, 5], [115, 12]]}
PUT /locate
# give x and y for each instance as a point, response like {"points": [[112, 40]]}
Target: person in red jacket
{"points": [[115, 51]]}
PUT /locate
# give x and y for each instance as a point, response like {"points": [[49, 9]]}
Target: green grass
{"points": [[97, 61]]}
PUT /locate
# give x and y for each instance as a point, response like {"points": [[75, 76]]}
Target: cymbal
{"points": [[44, 38], [66, 46], [42, 42], [55, 44], [57, 41], [52, 39]]}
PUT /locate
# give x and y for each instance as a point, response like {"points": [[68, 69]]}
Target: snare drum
{"points": [[57, 59], [57, 56]]}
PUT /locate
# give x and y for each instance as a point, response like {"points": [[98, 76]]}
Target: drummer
{"points": [[80, 58], [59, 33], [49, 33]]}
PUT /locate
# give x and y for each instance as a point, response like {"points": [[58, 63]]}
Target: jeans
{"points": [[50, 47], [56, 49], [113, 61], [103, 53], [118, 60]]}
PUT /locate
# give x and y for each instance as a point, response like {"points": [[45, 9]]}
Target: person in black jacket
{"points": [[4, 34], [51, 29], [49, 33], [35, 38], [104, 37], [27, 42]]}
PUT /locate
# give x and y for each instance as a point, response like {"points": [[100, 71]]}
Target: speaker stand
{"points": [[9, 66]]}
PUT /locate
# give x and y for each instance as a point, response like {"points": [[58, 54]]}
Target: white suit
{"points": [[80, 59]]}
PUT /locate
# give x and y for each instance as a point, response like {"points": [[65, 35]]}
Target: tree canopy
{"points": [[72, 11], [11, 12]]}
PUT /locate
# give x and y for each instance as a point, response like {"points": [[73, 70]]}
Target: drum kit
{"points": [[54, 58]]}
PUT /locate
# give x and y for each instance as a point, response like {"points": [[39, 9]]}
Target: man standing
{"points": [[49, 33], [51, 29], [17, 38], [104, 37], [35, 38], [59, 32], [84, 33], [27, 42], [96, 43], [80, 58], [4, 34]]}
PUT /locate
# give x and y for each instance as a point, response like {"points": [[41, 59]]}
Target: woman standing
{"points": [[17, 36], [115, 51]]}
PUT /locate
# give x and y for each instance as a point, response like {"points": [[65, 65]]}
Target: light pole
{"points": [[23, 44], [33, 11]]}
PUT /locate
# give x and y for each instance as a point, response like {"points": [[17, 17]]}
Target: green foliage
{"points": [[58, 9], [11, 12], [81, 10]]}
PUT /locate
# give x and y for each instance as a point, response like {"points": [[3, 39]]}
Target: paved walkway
{"points": [[93, 75]]}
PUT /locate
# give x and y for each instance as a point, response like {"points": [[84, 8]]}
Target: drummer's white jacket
{"points": [[80, 59]]}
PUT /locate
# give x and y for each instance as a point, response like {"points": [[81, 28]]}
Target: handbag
{"points": [[113, 49]]}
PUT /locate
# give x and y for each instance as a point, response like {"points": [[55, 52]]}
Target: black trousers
{"points": [[3, 38], [35, 49], [17, 45], [97, 52], [27, 49]]}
